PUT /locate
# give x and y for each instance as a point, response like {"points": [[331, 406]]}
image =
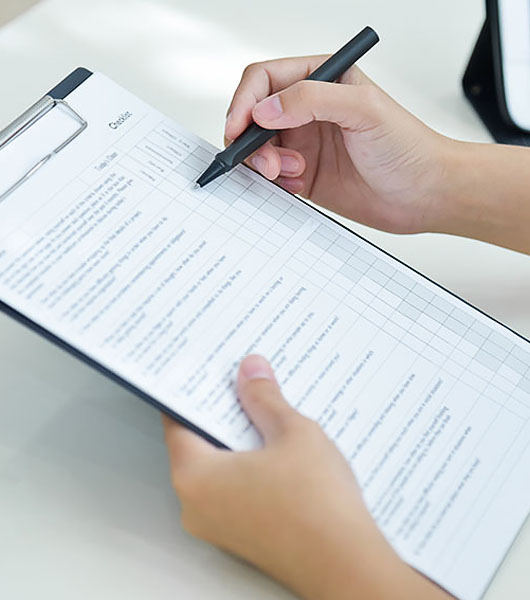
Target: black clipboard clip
{"points": [[31, 116]]}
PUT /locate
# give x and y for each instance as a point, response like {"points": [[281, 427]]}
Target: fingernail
{"points": [[269, 109], [290, 164], [295, 186], [255, 367], [227, 124], [259, 163]]}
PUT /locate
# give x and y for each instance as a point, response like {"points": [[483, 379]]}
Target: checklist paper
{"points": [[113, 250]]}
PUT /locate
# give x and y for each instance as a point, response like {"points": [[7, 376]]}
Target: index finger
{"points": [[184, 446], [260, 80]]}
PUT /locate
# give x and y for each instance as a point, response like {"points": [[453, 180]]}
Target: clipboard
{"points": [[58, 96]]}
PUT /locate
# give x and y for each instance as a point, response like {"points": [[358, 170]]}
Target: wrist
{"points": [[461, 203], [358, 562], [483, 193], [451, 205]]}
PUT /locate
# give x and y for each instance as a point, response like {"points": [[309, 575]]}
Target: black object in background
{"points": [[255, 136], [484, 85]]}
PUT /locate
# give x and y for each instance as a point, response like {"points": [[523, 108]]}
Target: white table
{"points": [[86, 506]]}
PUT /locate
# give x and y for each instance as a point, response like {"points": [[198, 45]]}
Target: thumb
{"points": [[262, 400], [352, 107]]}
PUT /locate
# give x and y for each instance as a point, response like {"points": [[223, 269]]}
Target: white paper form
{"points": [[111, 248]]}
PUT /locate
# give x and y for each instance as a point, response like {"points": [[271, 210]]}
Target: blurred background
{"points": [[186, 56], [10, 9]]}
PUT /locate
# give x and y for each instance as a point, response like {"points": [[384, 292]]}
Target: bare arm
{"points": [[353, 149], [487, 196]]}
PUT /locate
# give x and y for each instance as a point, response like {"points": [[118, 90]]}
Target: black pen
{"points": [[255, 136]]}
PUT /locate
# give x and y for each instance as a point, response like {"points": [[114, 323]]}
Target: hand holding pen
{"points": [[255, 136]]}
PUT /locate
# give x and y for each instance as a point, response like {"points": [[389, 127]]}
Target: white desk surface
{"points": [[86, 506]]}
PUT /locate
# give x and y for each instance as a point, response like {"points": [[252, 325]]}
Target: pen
{"points": [[255, 136]]}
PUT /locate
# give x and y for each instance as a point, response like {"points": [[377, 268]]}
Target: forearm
{"points": [[486, 194], [353, 561], [379, 576]]}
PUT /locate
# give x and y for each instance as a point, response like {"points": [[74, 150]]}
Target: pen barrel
{"points": [[349, 54], [248, 142], [255, 136]]}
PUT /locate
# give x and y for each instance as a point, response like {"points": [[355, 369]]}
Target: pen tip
{"points": [[216, 169]]}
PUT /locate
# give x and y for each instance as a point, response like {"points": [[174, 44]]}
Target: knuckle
{"points": [[304, 426], [306, 91], [191, 523], [175, 481], [290, 420], [311, 427], [260, 389], [373, 98], [186, 485], [355, 76], [251, 69]]}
